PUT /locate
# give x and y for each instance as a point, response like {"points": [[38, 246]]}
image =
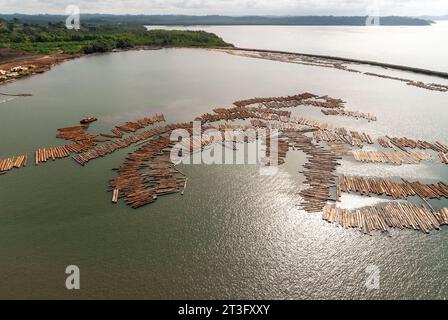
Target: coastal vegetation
{"points": [[186, 20], [47, 37]]}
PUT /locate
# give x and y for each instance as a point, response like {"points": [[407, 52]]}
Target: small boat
{"points": [[88, 120]]}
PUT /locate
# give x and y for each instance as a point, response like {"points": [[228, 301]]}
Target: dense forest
{"points": [[48, 37], [225, 20]]}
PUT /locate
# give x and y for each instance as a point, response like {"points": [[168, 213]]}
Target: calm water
{"points": [[234, 234], [423, 47]]}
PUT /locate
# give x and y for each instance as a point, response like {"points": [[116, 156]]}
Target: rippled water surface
{"points": [[234, 234]]}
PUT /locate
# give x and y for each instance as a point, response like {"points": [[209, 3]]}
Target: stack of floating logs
{"points": [[76, 133], [296, 98], [117, 144], [53, 153], [116, 134], [443, 158], [393, 215], [310, 123], [339, 149], [141, 188], [353, 114], [279, 154], [141, 123], [384, 143], [13, 162], [318, 171], [403, 143], [394, 157], [341, 135], [366, 186]]}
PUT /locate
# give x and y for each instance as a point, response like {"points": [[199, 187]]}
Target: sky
{"points": [[232, 7]]}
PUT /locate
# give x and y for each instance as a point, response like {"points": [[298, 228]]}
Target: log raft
{"points": [[392, 215], [13, 163]]}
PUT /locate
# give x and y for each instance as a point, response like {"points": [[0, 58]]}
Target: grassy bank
{"points": [[54, 37]]}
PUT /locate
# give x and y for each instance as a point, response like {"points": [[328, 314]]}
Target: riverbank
{"points": [[16, 64]]}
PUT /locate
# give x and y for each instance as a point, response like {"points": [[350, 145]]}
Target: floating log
{"points": [[393, 157], [394, 189], [13, 162], [392, 215]]}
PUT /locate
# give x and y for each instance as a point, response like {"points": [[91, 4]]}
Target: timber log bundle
{"points": [[393, 215], [341, 135], [147, 173], [117, 144], [353, 114], [366, 186], [393, 157], [299, 98], [13, 162], [403, 143], [318, 171], [53, 153], [443, 158], [141, 123], [76, 133]]}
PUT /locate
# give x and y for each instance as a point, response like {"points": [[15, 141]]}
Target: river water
{"points": [[423, 47], [234, 234]]}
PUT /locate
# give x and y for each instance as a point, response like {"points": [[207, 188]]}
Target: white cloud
{"points": [[231, 7]]}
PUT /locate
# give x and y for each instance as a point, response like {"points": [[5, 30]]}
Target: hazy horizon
{"points": [[232, 7]]}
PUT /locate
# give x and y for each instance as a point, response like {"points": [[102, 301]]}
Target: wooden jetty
{"points": [[392, 215], [13, 162], [394, 189]]}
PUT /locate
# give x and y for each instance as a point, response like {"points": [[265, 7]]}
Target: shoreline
{"points": [[43, 63]]}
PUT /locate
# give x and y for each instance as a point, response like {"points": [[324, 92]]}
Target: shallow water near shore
{"points": [[234, 234]]}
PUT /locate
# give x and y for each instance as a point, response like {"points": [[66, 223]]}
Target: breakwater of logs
{"points": [[404, 189], [393, 215], [393, 157], [13, 162], [419, 84], [318, 171], [353, 114], [341, 64]]}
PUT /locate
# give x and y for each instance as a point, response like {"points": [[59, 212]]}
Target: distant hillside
{"points": [[434, 18], [226, 20]]}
